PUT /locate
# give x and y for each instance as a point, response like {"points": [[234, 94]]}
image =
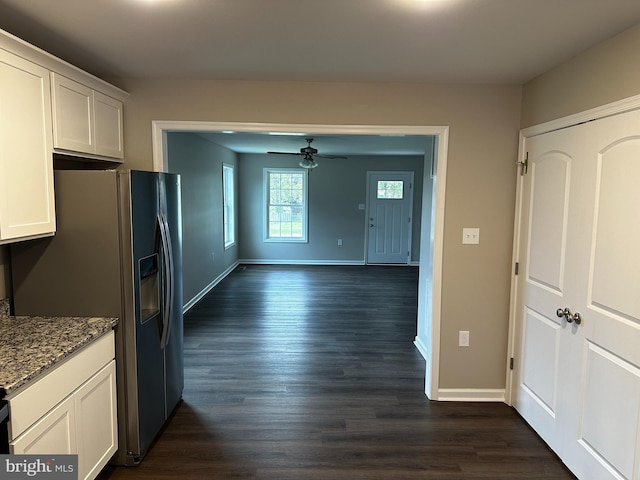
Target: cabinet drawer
{"points": [[36, 399], [55, 433]]}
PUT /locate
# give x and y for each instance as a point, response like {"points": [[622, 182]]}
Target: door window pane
{"points": [[392, 189]]}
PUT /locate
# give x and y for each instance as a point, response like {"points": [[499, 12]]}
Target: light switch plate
{"points": [[470, 236]]}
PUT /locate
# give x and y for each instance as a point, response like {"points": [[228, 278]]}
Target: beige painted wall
{"points": [[607, 72], [484, 122]]}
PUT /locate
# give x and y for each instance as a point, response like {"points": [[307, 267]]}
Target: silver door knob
{"points": [[566, 313], [577, 318]]}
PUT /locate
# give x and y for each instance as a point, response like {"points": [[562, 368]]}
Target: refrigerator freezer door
{"points": [[143, 352], [174, 363]]}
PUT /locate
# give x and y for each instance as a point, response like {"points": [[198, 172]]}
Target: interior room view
{"points": [[275, 240]]}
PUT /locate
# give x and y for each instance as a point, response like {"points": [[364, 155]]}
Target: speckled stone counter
{"points": [[31, 345]]}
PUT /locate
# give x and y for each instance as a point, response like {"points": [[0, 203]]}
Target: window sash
{"points": [[286, 209], [228, 205]]}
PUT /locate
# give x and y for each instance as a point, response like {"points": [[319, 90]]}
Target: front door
{"points": [[389, 223], [578, 381]]}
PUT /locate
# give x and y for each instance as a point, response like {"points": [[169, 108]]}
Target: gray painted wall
{"points": [[199, 162], [336, 187]]}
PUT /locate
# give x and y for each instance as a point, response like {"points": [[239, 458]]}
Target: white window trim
{"points": [[265, 207], [232, 220]]}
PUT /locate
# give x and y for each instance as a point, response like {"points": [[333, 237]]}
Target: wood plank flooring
{"points": [[309, 372]]}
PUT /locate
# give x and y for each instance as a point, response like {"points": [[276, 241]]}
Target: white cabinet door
{"points": [[55, 433], [84, 120], [26, 164], [108, 126], [73, 115], [578, 383], [95, 407]]}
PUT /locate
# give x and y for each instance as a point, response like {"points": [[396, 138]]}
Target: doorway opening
{"points": [[427, 338]]}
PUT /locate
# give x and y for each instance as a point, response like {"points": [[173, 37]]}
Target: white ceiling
{"points": [[452, 41]]}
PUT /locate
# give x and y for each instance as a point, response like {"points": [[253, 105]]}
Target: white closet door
{"points": [[603, 420], [545, 282], [578, 385]]}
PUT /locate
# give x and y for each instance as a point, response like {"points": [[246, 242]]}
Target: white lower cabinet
{"points": [[55, 433], [96, 422], [84, 422]]}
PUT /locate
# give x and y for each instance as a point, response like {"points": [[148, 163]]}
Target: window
{"points": [[228, 206], [392, 189], [286, 201]]}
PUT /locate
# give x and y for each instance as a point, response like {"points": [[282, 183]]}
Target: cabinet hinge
{"points": [[511, 363], [517, 269]]}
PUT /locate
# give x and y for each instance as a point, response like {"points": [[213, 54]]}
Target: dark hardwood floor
{"points": [[297, 373]]}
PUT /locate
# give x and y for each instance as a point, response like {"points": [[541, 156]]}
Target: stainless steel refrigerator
{"points": [[117, 253]]}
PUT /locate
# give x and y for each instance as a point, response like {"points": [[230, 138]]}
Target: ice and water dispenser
{"points": [[149, 287]]}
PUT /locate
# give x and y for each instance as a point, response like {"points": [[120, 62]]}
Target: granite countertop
{"points": [[31, 345]]}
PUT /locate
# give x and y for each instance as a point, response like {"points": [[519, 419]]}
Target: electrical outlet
{"points": [[213, 256], [463, 338], [470, 236], [339, 242]]}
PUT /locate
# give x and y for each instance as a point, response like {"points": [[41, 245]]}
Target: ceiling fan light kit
{"points": [[307, 162], [309, 153]]}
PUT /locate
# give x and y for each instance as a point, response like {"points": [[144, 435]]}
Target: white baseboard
{"points": [[422, 348], [471, 395], [258, 261], [208, 288]]}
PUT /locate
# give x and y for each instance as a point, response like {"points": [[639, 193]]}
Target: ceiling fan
{"points": [[309, 153]]}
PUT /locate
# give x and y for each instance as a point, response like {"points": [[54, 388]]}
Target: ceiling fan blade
{"points": [[286, 153]]}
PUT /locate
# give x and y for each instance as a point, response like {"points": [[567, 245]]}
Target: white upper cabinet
{"points": [[46, 106], [26, 166], [107, 116], [85, 120]]}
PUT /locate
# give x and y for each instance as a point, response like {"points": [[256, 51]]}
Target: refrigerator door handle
{"points": [[167, 290], [170, 280]]}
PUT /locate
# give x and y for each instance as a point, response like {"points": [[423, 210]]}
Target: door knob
{"points": [[566, 313], [577, 318]]}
